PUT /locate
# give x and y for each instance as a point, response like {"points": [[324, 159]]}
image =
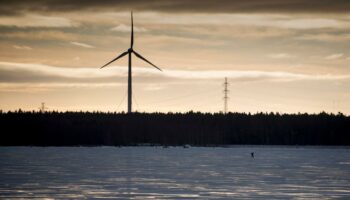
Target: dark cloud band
{"points": [[205, 6]]}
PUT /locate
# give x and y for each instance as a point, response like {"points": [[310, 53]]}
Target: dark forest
{"points": [[198, 129]]}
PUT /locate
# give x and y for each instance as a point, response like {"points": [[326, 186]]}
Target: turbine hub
{"points": [[130, 50]]}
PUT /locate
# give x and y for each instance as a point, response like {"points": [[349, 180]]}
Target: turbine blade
{"points": [[132, 31], [138, 55], [121, 55]]}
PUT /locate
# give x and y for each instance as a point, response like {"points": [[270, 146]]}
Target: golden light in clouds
{"points": [[282, 60]]}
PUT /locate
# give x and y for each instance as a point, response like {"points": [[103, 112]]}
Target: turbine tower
{"points": [[129, 52]]}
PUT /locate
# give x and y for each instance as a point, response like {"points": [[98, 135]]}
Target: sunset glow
{"points": [[278, 57]]}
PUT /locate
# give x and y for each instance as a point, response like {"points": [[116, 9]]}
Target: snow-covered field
{"points": [[175, 172]]}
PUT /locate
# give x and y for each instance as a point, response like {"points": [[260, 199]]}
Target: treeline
{"points": [[202, 129]]}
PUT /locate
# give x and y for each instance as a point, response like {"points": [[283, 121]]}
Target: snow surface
{"points": [[175, 172]]}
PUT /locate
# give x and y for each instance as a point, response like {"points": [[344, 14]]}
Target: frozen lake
{"points": [[175, 172]]}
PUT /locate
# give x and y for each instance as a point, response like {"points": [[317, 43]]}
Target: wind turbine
{"points": [[129, 52]]}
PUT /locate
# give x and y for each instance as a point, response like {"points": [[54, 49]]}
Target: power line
{"points": [[121, 101], [183, 96], [134, 97]]}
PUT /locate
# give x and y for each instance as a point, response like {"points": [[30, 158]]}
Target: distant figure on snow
{"points": [[252, 154]]}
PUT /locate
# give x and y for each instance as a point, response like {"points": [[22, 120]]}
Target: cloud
{"points": [[42, 35], [307, 23], [126, 28], [30, 20], [154, 87], [56, 71], [276, 20], [204, 6], [325, 37], [281, 56], [79, 44], [22, 47], [286, 22], [42, 87], [334, 56], [16, 72], [251, 75]]}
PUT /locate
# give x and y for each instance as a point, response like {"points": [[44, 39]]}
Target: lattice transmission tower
{"points": [[42, 108], [226, 96]]}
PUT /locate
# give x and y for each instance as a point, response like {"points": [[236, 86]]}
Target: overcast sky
{"points": [[282, 56]]}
